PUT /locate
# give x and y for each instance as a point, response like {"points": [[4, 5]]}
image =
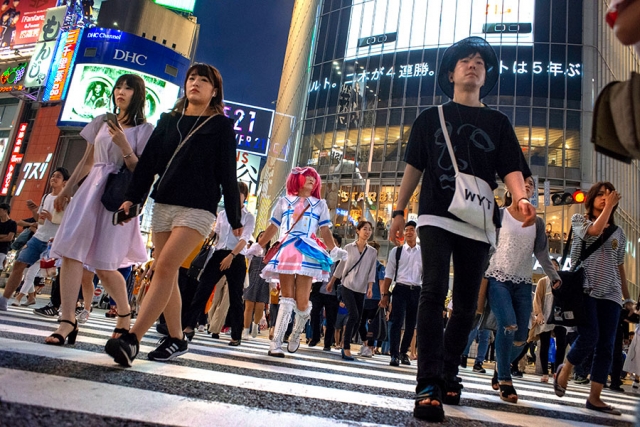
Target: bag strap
{"points": [[357, 262], [587, 252], [443, 124], [297, 221], [565, 252], [184, 141], [398, 254]]}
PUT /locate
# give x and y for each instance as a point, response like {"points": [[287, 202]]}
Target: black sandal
{"points": [[122, 330], [430, 412], [190, 335], [70, 338], [235, 343], [557, 388], [507, 390], [495, 384], [452, 386]]}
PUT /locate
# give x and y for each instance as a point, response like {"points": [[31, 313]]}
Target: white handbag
{"points": [[473, 199]]}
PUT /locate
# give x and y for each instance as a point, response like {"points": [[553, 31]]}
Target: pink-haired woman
{"points": [[302, 258]]}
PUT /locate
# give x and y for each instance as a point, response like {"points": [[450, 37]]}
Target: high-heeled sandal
{"points": [[70, 338], [452, 391], [507, 393], [122, 330], [495, 384]]}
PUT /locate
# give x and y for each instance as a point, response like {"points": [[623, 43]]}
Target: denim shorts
{"points": [[31, 253], [166, 217]]}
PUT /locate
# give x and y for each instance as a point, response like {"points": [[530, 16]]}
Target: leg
{"points": [[14, 279], [608, 317], [188, 287], [473, 335], [617, 362], [561, 344], [171, 249], [303, 311], [116, 286], [287, 286], [87, 288], [353, 301], [70, 278], [208, 279], [500, 298], [545, 340], [316, 316], [399, 300], [249, 307], [331, 312], [410, 319], [235, 277], [483, 345], [258, 314]]}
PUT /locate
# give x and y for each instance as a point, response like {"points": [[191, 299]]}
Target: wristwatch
{"points": [[396, 213], [233, 255]]}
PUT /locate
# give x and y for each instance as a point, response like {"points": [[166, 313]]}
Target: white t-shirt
{"points": [[48, 229]]}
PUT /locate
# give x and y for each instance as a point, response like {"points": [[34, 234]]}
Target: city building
{"points": [[369, 68]]}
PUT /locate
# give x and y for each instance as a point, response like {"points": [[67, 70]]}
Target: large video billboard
{"points": [[21, 21], [106, 54], [387, 26]]}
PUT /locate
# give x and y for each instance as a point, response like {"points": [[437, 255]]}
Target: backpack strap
{"points": [[398, 255]]}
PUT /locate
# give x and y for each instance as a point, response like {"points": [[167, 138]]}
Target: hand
{"points": [[238, 231], [60, 203], [556, 284], [44, 215], [125, 207], [369, 293], [118, 137], [396, 232], [384, 302], [538, 320], [529, 212], [31, 206], [612, 199], [342, 304], [226, 262], [338, 254], [330, 286], [255, 250]]}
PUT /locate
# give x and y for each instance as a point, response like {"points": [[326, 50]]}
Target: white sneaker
{"points": [[275, 350], [254, 330], [245, 334], [4, 303], [365, 351], [201, 328], [83, 316]]}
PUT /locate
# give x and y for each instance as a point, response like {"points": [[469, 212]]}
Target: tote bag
{"points": [[473, 198]]}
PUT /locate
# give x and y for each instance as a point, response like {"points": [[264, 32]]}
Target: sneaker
{"points": [[636, 383], [329, 349], [463, 361], [4, 303], [394, 362], [581, 380], [245, 334], [83, 316], [366, 352], [255, 328], [479, 369], [79, 310], [47, 311], [215, 336], [123, 349], [516, 374], [169, 348], [201, 328]]}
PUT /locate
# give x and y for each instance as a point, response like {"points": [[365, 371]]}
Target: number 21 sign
{"points": [[252, 126]]}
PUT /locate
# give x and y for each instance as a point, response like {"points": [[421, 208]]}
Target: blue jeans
{"points": [[511, 303], [483, 336], [597, 335]]}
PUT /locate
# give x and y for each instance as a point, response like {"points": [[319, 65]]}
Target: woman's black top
{"points": [[205, 164]]}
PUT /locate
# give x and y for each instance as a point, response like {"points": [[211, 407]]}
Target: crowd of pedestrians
{"points": [[300, 277]]}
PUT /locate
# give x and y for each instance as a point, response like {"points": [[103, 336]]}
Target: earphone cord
{"points": [[184, 106]]}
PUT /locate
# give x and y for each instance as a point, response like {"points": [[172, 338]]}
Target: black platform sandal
{"points": [[190, 335], [452, 385], [495, 384], [429, 412], [507, 392], [70, 338], [122, 330]]}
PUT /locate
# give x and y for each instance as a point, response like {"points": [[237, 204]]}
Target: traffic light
{"points": [[559, 199]]}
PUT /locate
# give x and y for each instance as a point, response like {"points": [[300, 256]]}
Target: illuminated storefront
{"points": [[373, 68]]}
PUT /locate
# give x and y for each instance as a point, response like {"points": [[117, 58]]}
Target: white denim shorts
{"points": [[166, 217]]}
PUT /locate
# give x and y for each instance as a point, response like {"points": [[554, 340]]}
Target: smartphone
{"points": [[120, 216], [110, 117]]}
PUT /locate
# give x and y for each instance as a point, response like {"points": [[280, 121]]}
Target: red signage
{"points": [[16, 158], [27, 19]]}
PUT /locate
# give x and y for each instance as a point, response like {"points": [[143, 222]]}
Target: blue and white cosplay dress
{"points": [[300, 253]]}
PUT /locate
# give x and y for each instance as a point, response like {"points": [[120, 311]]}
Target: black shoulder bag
{"points": [[356, 264], [568, 304], [200, 261]]}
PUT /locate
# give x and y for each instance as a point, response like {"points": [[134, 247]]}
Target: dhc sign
{"points": [[126, 56]]}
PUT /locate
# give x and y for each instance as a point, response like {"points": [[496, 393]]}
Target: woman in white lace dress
{"points": [[510, 285]]}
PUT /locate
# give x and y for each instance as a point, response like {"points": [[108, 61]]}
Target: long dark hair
{"points": [[590, 199], [134, 114], [214, 76]]}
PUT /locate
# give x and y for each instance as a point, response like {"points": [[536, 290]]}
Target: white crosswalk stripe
{"points": [[243, 386]]}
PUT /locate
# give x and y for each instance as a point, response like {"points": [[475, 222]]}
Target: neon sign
{"points": [[65, 57], [15, 159]]}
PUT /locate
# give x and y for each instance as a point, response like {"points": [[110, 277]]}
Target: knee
{"points": [[302, 306], [510, 330]]}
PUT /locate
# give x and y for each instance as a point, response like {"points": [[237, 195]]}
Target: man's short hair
{"points": [[6, 207], [64, 172], [411, 224]]}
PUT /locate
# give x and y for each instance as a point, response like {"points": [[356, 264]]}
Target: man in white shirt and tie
{"points": [[407, 274]]}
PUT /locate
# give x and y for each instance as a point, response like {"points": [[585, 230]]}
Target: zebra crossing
{"points": [[215, 384]]}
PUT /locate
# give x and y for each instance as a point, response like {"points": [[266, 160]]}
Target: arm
{"points": [[541, 251], [120, 140], [482, 295], [515, 182], [623, 282], [7, 237], [82, 169], [410, 181], [326, 235], [598, 226], [626, 27], [268, 234], [538, 301], [227, 175]]}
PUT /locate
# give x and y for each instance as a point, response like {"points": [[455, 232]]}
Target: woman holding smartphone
{"points": [[86, 234], [193, 150]]}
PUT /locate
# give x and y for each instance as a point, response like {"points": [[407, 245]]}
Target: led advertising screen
{"points": [[90, 90], [387, 26], [21, 21], [182, 5], [252, 125]]}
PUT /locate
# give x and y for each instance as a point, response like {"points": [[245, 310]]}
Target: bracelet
{"points": [[233, 255], [396, 213], [525, 199], [128, 155]]}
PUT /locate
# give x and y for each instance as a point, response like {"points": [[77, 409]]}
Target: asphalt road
{"points": [[218, 385]]}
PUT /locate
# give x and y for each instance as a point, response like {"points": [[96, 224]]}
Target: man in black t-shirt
{"points": [[8, 229], [484, 144]]}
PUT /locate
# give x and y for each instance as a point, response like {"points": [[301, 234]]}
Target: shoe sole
{"points": [[37, 313], [480, 371], [113, 349], [272, 354], [294, 350], [173, 356]]}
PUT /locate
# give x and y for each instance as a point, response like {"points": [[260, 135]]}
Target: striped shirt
{"points": [[601, 274]]}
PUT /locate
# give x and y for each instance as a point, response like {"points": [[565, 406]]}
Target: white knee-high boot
{"points": [[280, 328], [298, 327]]}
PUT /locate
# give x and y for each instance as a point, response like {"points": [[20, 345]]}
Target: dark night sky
{"points": [[246, 41]]}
